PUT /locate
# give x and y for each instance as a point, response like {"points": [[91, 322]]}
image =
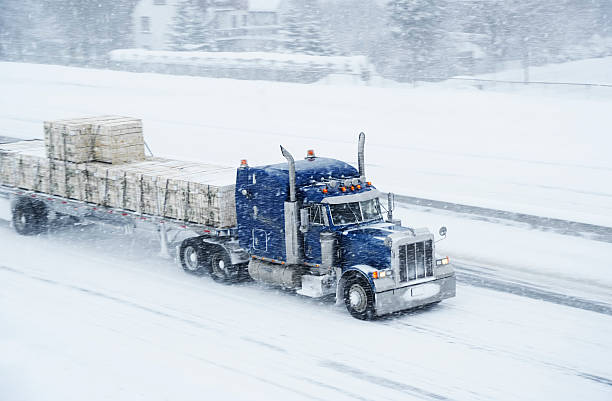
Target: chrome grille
{"points": [[415, 261]]}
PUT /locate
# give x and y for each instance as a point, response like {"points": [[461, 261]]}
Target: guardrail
{"points": [[531, 82], [560, 226], [586, 90]]}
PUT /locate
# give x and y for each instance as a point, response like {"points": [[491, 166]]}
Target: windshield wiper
{"points": [[357, 221]]}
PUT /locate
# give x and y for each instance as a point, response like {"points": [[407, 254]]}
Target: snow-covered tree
{"points": [[90, 28], [27, 30], [534, 30], [604, 22], [302, 29], [355, 27], [417, 30], [191, 28]]}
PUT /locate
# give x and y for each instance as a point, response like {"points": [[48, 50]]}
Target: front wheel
{"points": [[359, 298]]}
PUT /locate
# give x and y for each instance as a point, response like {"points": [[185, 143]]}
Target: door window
{"points": [[316, 215]]}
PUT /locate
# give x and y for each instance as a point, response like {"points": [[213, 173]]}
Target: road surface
{"points": [[86, 314]]}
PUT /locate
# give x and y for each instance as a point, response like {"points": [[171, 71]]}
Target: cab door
{"points": [[317, 223]]}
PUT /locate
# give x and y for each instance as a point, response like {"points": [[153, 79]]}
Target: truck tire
{"points": [[220, 266], [359, 298], [192, 257], [29, 217]]}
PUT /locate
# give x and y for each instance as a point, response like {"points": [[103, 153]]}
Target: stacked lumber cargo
{"points": [[108, 139], [186, 191]]}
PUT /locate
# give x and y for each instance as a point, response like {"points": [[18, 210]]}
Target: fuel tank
{"points": [[286, 276]]}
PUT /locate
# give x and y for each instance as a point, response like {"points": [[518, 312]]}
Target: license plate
{"points": [[422, 291], [417, 291]]}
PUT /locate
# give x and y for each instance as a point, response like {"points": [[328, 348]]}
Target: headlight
{"points": [[443, 261], [382, 273]]}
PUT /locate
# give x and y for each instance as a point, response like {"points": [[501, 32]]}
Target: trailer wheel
{"points": [[359, 298], [192, 257], [29, 217], [220, 267]]}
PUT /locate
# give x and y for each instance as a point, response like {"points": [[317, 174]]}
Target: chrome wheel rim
{"points": [[218, 266], [20, 221], [358, 299], [191, 258]]}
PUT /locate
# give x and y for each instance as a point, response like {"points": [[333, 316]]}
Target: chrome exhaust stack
{"points": [[291, 163], [328, 251], [360, 156], [292, 248]]}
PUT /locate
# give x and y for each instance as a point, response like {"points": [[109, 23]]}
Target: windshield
{"points": [[355, 212]]}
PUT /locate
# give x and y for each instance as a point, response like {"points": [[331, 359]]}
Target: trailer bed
{"points": [[188, 193], [91, 213]]}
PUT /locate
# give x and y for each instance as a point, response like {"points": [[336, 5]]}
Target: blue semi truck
{"points": [[315, 226]]}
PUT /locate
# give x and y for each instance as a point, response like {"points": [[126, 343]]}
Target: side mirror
{"points": [[442, 231], [390, 206], [304, 220]]}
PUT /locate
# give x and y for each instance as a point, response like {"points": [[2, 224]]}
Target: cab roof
{"points": [[308, 171]]}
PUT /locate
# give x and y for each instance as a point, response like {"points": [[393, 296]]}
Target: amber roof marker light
{"points": [[310, 155]]}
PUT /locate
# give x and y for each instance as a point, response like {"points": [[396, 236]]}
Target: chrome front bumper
{"points": [[415, 295]]}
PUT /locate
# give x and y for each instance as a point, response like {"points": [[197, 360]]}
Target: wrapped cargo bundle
{"points": [[180, 190], [187, 191], [201, 191], [69, 140], [107, 139], [118, 140], [23, 165]]}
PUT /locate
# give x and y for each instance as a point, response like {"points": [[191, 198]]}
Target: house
{"points": [[151, 20], [253, 28], [237, 25]]}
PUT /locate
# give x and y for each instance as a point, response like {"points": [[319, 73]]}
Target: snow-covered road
{"points": [[87, 315], [95, 318]]}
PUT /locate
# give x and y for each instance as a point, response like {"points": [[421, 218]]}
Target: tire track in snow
{"points": [[180, 319], [597, 379], [381, 381], [479, 346], [484, 281], [559, 226], [475, 278], [8, 139], [110, 298], [392, 385], [342, 368]]}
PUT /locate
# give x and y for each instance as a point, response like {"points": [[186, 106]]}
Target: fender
{"points": [[231, 246], [361, 270]]}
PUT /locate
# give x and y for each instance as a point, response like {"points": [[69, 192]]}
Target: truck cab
{"points": [[316, 225]]}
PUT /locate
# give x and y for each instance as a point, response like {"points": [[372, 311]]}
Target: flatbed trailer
{"points": [[171, 232], [314, 226]]}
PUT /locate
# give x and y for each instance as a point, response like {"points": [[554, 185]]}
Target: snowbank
{"points": [[237, 64]]}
